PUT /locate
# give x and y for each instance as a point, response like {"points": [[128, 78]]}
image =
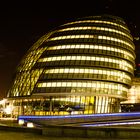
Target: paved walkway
{"points": [[13, 134], [4, 135]]}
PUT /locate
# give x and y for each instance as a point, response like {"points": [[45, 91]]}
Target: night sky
{"points": [[22, 24]]}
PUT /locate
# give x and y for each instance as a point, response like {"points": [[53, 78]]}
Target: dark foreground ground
{"points": [[9, 130], [7, 135]]}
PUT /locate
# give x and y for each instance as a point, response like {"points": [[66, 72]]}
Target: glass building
{"points": [[82, 67], [133, 97]]}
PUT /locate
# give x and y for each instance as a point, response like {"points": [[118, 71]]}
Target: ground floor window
{"points": [[68, 105]]}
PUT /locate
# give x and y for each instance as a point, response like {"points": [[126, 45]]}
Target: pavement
{"points": [[11, 130], [4, 135]]}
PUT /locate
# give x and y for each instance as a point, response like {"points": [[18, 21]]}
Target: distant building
{"points": [[84, 66]]}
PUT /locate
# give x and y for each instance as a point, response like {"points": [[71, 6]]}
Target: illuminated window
{"points": [[109, 48]]}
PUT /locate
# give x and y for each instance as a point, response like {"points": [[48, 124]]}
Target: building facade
{"points": [[132, 104], [81, 67]]}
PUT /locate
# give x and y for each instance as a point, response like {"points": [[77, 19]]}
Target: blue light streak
{"points": [[82, 116], [112, 123]]}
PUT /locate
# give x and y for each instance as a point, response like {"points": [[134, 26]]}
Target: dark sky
{"points": [[22, 24]]}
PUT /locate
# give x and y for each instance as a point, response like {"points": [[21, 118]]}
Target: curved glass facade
{"points": [[84, 65]]}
